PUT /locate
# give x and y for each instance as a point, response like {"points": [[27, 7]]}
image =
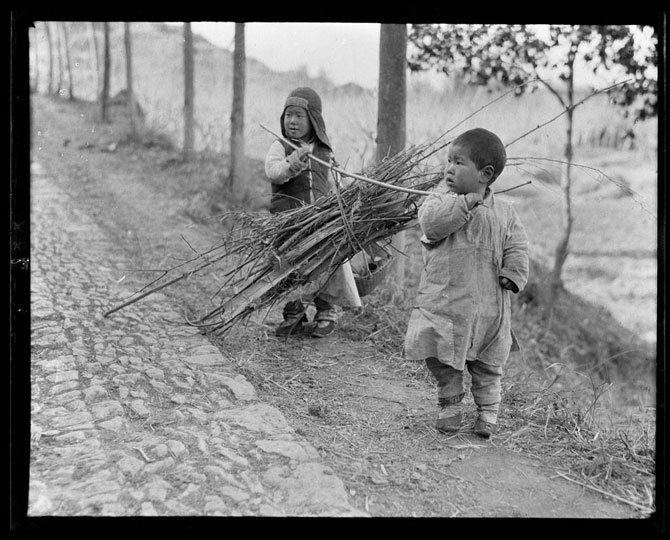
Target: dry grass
{"points": [[338, 400], [562, 414], [618, 461]]}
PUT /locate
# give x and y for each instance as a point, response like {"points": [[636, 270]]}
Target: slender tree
{"points": [[237, 159], [68, 62], [391, 109], [59, 58], [36, 61], [516, 55], [106, 75], [189, 92], [132, 107], [50, 47], [95, 57]]}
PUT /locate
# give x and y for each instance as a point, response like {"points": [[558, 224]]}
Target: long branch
{"points": [[345, 173], [363, 178], [565, 110]]}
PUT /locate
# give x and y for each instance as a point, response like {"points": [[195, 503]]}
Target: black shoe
{"points": [[484, 429], [291, 326], [323, 329]]}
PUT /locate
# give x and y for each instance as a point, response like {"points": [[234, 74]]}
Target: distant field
{"points": [[613, 250]]}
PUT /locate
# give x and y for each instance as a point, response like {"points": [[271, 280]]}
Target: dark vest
{"points": [[296, 191]]}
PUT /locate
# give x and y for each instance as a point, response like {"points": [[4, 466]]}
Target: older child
{"points": [[296, 180], [475, 253]]}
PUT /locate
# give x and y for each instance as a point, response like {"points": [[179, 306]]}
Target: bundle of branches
{"points": [[277, 254], [265, 258]]}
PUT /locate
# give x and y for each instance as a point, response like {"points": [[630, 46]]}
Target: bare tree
{"points": [[391, 108], [189, 92], [132, 107], [237, 161], [68, 63], [35, 84], [50, 47], [106, 75], [95, 56], [392, 99], [59, 57]]}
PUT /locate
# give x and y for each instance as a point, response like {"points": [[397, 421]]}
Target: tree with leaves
{"points": [[522, 57]]}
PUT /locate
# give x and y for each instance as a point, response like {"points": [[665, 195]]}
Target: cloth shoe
{"points": [[484, 429], [323, 329], [293, 325], [448, 424], [294, 317], [449, 415], [325, 322]]}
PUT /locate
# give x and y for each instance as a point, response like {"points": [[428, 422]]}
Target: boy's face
{"points": [[296, 123], [461, 173]]}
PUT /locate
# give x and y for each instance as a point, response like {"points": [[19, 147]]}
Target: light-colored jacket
{"points": [[461, 311], [278, 168]]}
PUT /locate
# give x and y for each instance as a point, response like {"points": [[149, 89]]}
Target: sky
{"points": [[346, 52]]}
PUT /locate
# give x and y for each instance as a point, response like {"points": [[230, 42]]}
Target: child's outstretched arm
{"points": [[515, 264], [442, 214]]}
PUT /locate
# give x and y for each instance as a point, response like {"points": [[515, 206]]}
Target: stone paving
{"points": [[139, 414]]}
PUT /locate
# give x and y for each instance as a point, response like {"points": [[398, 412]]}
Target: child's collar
{"points": [[487, 200]]}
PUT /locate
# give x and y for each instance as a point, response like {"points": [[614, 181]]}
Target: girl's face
{"points": [[461, 173], [297, 124]]}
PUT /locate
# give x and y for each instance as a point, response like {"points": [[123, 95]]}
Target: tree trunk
{"points": [[132, 107], [68, 63], [562, 247], [391, 105], [237, 160], [50, 81], [391, 113], [106, 75], [95, 57], [189, 92], [35, 86], [59, 57]]}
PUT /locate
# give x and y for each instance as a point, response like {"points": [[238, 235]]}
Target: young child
{"points": [[475, 254], [297, 180]]}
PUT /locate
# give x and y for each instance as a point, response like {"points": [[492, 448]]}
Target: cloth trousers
{"points": [[295, 308], [486, 387]]}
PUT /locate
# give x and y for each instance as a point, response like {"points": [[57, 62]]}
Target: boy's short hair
{"points": [[484, 148]]}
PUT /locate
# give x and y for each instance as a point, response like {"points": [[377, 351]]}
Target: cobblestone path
{"points": [[138, 414]]}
